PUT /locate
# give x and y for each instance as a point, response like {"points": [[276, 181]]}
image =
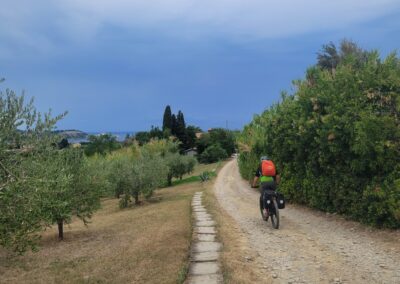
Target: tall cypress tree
{"points": [[181, 121], [167, 119], [181, 129], [174, 123]]}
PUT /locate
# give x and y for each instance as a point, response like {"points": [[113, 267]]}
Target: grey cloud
{"points": [[80, 21]]}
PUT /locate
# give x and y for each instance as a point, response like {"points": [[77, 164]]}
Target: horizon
{"points": [[116, 66]]}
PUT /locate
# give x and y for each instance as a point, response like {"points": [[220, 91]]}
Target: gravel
{"points": [[309, 246]]}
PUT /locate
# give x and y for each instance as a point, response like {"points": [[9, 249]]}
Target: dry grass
{"points": [[145, 244], [235, 267]]}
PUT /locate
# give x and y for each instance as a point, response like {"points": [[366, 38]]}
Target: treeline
{"points": [[172, 126], [336, 140], [214, 145]]}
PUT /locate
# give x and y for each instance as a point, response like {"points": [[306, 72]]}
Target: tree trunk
{"points": [[169, 180], [60, 229], [136, 198]]}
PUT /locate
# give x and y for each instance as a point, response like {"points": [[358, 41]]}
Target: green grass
{"points": [[186, 180], [191, 179]]}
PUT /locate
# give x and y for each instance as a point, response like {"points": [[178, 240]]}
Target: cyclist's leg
{"points": [[264, 188]]}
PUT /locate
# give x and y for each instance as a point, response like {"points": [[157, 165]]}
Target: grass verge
{"points": [[145, 244]]}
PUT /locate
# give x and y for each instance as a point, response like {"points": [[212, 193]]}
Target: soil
{"points": [[310, 246]]}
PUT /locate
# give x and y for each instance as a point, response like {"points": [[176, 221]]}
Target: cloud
{"points": [[235, 18], [47, 23]]}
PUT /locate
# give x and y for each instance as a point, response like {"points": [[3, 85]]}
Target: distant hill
{"points": [[71, 133]]}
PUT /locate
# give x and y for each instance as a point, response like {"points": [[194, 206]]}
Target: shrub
{"points": [[178, 165], [213, 153], [336, 140], [101, 144]]}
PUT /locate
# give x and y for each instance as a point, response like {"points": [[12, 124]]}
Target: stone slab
{"points": [[204, 268], [205, 224], [199, 210], [205, 256], [203, 214], [206, 279], [200, 219], [206, 247], [198, 207], [205, 237], [205, 230]]}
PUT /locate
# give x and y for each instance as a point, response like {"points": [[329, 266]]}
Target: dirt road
{"points": [[310, 246]]}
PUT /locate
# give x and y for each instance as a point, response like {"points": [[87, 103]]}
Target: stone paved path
{"points": [[204, 265]]}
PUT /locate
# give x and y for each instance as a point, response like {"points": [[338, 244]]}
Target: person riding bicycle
{"points": [[268, 177]]}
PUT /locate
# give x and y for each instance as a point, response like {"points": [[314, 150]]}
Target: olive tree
{"points": [[66, 188], [178, 165], [24, 140], [138, 174], [39, 184]]}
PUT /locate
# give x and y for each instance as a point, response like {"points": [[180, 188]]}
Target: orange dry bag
{"points": [[268, 168]]}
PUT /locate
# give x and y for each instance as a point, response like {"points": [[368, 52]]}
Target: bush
{"points": [[178, 165], [336, 141], [213, 153], [101, 144], [225, 139]]}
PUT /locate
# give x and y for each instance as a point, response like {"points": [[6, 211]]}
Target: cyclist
{"points": [[268, 177]]}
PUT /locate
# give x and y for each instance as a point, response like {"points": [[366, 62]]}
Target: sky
{"points": [[115, 65]]}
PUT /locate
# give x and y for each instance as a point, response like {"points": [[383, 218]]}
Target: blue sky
{"points": [[115, 65]]}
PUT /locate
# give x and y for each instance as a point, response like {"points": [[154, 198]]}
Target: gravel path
{"points": [[310, 246]]}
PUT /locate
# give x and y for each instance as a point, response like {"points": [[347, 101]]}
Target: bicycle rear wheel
{"points": [[265, 218], [275, 215]]}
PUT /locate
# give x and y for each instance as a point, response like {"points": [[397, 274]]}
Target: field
{"points": [[144, 244]]}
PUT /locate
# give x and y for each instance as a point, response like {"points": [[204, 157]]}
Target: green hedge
{"points": [[336, 140]]}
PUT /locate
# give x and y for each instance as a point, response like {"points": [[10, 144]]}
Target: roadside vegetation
{"points": [[130, 232], [45, 181], [336, 139], [141, 244]]}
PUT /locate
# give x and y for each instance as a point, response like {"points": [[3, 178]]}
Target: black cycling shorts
{"points": [[271, 185]]}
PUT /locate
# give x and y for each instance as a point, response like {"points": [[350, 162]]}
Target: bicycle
{"points": [[269, 206]]}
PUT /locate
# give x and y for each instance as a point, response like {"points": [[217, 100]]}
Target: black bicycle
{"points": [[270, 203]]}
